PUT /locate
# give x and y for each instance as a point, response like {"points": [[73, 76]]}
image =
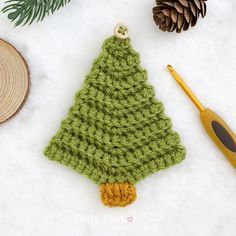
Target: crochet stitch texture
{"points": [[116, 131]]}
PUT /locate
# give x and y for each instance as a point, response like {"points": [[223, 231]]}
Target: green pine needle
{"points": [[27, 11]]}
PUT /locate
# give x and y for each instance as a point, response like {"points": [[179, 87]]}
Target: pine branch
{"points": [[27, 11]]}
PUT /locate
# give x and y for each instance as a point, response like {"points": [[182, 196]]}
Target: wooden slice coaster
{"points": [[14, 81]]}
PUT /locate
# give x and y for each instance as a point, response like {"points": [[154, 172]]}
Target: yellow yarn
{"points": [[118, 194]]}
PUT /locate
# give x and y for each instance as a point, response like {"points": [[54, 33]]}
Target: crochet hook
{"points": [[215, 126]]}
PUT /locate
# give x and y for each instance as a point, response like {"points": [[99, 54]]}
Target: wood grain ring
{"points": [[14, 81]]}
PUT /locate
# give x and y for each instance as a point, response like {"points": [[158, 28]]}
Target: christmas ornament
{"points": [[116, 133], [27, 11], [178, 15], [14, 81]]}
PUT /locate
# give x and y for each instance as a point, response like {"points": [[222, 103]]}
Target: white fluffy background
{"points": [[197, 197]]}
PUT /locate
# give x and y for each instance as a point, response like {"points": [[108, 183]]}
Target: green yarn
{"points": [[116, 131]]}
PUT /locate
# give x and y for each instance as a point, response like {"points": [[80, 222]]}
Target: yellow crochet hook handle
{"points": [[215, 126]]}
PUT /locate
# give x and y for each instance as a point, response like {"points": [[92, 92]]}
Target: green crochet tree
{"points": [[116, 133]]}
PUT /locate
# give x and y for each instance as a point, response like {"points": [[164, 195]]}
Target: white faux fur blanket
{"points": [[195, 198]]}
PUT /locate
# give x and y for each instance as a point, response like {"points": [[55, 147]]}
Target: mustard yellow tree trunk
{"points": [[118, 194]]}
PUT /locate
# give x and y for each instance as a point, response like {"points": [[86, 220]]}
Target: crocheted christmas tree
{"points": [[116, 133]]}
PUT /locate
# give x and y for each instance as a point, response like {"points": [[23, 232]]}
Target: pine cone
{"points": [[178, 15]]}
